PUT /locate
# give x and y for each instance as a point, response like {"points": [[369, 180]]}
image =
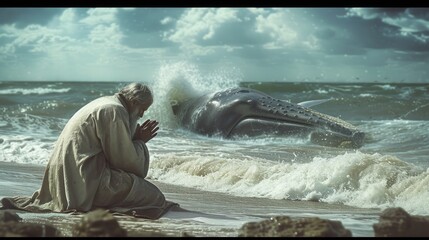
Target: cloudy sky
{"points": [[263, 44]]}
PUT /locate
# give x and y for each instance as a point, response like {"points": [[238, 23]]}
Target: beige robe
{"points": [[96, 164]]}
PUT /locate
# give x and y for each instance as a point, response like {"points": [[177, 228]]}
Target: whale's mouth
{"points": [[334, 139], [317, 135], [258, 126]]}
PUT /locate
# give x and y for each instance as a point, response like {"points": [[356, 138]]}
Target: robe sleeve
{"points": [[113, 130]]}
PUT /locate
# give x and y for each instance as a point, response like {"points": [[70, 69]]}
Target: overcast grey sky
{"points": [[264, 44]]}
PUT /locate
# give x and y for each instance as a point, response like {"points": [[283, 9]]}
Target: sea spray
{"points": [[176, 82]]}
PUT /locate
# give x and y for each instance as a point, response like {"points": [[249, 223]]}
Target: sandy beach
{"points": [[204, 218]]}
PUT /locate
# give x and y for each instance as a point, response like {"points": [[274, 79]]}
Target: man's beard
{"points": [[133, 121]]}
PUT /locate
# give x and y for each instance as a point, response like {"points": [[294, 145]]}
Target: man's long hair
{"points": [[137, 91]]}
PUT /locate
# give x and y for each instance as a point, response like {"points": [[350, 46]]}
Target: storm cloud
{"points": [[266, 44]]}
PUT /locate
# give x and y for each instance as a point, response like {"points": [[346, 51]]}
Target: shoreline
{"points": [[204, 218]]}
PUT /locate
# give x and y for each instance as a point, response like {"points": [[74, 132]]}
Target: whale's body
{"points": [[247, 112]]}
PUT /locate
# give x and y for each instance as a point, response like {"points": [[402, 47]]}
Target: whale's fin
{"points": [[312, 103]]}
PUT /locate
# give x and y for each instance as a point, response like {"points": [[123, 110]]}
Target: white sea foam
{"points": [[323, 91], [365, 95], [39, 91], [26, 150], [355, 179], [386, 87], [28, 139]]}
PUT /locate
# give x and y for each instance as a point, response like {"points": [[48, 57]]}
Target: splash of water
{"points": [[176, 82]]}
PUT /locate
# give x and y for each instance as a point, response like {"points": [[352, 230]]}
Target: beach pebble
{"points": [[99, 223], [284, 226], [6, 216], [396, 222]]}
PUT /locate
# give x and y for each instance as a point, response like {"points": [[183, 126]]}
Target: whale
{"points": [[236, 112]]}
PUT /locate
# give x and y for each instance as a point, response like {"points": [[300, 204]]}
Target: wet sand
{"points": [[212, 214]]}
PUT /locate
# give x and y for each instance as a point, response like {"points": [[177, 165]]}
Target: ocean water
{"points": [[390, 170]]}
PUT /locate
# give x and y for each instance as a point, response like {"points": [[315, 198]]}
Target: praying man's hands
{"points": [[147, 130]]}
